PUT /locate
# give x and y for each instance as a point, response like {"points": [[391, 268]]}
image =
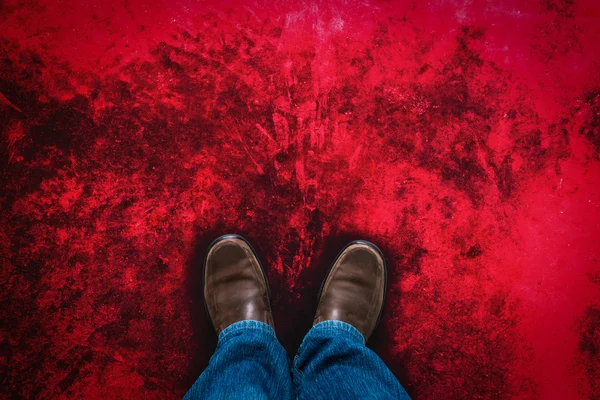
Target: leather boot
{"points": [[354, 288], [235, 285]]}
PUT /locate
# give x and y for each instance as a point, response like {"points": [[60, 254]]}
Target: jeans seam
{"points": [[340, 326], [244, 325]]}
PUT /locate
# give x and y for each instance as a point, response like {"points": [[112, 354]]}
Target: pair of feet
{"points": [[236, 289]]}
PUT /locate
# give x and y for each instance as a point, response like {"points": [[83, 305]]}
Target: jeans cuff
{"points": [[246, 326], [336, 328]]}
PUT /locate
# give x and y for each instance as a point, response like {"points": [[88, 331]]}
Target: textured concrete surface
{"points": [[462, 137]]}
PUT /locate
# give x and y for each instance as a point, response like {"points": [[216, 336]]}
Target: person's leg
{"points": [[333, 361], [249, 362]]}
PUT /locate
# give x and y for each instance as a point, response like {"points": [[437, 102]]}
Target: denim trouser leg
{"points": [[334, 363], [249, 363]]}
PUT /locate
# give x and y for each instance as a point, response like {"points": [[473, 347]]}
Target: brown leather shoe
{"points": [[354, 289], [235, 285]]}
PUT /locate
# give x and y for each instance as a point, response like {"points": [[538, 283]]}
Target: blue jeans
{"points": [[332, 363]]}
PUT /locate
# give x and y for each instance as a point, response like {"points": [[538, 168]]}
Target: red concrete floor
{"points": [[461, 136]]}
